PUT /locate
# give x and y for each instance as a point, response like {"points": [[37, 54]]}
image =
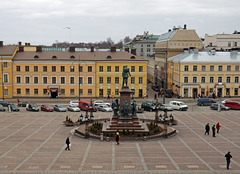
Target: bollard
{"points": [[101, 136], [9, 108], [219, 107], [170, 124], [107, 138]]}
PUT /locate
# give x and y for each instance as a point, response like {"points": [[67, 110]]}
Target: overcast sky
{"points": [[48, 21]]}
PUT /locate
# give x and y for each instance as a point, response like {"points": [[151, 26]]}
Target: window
{"points": [[195, 68], [116, 91], [72, 79], [235, 44], [148, 50], [211, 80], [5, 65], [81, 91], [54, 80], [18, 79], [185, 79], [62, 91], [35, 80], [108, 80], [45, 92], [35, 91], [220, 68], [116, 68], [71, 68], [228, 80], [229, 68], [89, 91], [116, 80], [235, 91], [132, 68], [100, 68], [89, 68], [236, 80], [140, 68], [203, 68], [211, 68], [219, 79], [27, 91], [71, 91], [140, 80], [101, 80], [26, 68], [5, 92], [5, 78], [186, 68], [45, 80], [108, 91], [227, 91], [53, 68], [18, 68], [44, 68], [35, 68], [108, 68], [62, 68], [80, 69], [229, 44], [27, 79], [18, 91], [202, 79], [194, 79], [80, 80], [62, 80], [132, 80], [237, 68], [89, 80]]}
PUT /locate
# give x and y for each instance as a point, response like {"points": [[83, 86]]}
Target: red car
{"points": [[47, 108]]}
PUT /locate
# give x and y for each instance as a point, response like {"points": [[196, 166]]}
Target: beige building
{"points": [[205, 73], [170, 44]]}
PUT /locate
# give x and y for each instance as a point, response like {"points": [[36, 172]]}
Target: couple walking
{"points": [[207, 129]]}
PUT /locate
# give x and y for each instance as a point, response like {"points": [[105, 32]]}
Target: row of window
{"points": [[211, 79], [80, 69], [109, 80], [203, 68]]}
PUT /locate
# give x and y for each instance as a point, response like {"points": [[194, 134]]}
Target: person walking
{"points": [[207, 129], [228, 157], [213, 130], [218, 127], [108, 97], [18, 100], [68, 143], [117, 138]]}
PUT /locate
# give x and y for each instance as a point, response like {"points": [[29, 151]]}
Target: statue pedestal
{"points": [[125, 95]]}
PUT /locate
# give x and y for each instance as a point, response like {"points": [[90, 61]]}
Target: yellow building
{"points": [[6, 54], [206, 73], [62, 73]]}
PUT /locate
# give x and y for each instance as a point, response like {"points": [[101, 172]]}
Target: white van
{"points": [[177, 105]]}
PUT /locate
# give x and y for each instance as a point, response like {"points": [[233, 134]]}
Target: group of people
{"points": [[207, 129]]}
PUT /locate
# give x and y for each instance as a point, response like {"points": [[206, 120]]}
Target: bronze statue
{"points": [[134, 108], [115, 107], [125, 75]]}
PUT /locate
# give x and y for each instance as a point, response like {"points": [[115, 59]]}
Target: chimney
{"points": [[26, 44], [92, 49], [1, 43], [185, 27], [113, 49], [19, 43], [39, 49], [169, 30], [71, 49], [133, 51], [127, 49]]}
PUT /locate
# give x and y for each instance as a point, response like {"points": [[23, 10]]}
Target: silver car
{"points": [[73, 108], [59, 108], [105, 108]]}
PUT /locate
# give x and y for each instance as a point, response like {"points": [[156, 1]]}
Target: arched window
{"points": [[72, 57], [54, 57], [36, 57], [109, 57]]}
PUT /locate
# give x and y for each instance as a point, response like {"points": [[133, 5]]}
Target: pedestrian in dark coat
{"points": [[68, 143], [213, 130], [117, 138], [108, 97], [218, 127], [228, 158], [207, 129]]}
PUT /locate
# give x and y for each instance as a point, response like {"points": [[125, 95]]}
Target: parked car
{"points": [[100, 102], [86, 106], [4, 103], [47, 108], [59, 108], [23, 104], [233, 104], [164, 107], [177, 105], [74, 103], [214, 106], [104, 108], [32, 107], [168, 93], [205, 101], [14, 108], [148, 106], [224, 101], [73, 108], [2, 108]]}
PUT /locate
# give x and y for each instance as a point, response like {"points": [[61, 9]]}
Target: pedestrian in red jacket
{"points": [[218, 127]]}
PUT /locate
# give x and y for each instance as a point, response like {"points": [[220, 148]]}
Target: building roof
{"points": [[207, 57], [7, 50], [72, 56], [166, 36]]}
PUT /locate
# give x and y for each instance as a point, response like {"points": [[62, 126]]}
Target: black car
{"points": [[148, 106], [214, 106], [4, 103], [32, 107], [2, 108], [23, 104], [14, 108]]}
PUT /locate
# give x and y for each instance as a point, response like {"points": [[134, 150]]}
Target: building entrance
{"points": [[53, 92]]}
